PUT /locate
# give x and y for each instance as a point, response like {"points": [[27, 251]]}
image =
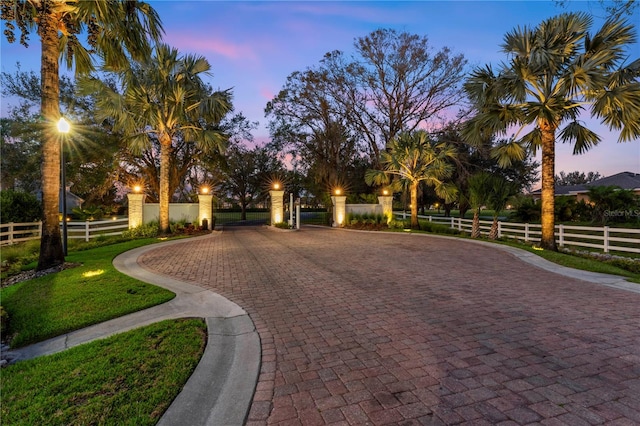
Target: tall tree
{"points": [[249, 173], [164, 97], [414, 158], [395, 82], [554, 71], [576, 178], [116, 29]]}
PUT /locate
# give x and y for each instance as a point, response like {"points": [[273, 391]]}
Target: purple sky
{"points": [[253, 46]]}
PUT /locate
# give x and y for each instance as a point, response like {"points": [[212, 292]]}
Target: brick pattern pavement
{"points": [[371, 328]]}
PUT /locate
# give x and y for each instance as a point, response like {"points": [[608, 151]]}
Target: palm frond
{"points": [[619, 108], [582, 138], [376, 177], [506, 152]]}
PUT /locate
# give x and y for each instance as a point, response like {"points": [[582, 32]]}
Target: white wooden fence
{"points": [[603, 238], [11, 233]]}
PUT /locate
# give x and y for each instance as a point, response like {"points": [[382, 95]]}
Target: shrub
{"points": [[282, 225], [16, 256], [19, 207], [4, 320], [149, 230]]}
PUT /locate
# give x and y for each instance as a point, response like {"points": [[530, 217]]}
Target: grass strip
{"points": [[58, 303], [127, 379]]}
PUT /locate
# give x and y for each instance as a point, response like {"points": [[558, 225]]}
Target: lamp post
{"points": [[63, 127]]}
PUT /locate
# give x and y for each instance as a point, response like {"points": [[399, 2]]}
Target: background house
{"points": [[624, 180]]}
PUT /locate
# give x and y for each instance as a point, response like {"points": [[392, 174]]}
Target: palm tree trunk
{"points": [[165, 157], [475, 225], [414, 206], [51, 253], [493, 233], [547, 199]]}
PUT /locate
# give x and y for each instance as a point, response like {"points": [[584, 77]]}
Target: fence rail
{"points": [[12, 233], [604, 238]]}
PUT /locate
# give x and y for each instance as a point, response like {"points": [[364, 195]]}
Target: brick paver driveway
{"points": [[376, 328]]}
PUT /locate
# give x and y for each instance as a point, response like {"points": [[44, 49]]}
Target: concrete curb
{"points": [[220, 390]]}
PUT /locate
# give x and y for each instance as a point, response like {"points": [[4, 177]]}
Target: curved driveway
{"points": [[378, 328]]}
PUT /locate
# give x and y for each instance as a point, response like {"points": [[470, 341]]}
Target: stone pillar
{"points": [[339, 209], [136, 209], [277, 206], [205, 210], [386, 201]]}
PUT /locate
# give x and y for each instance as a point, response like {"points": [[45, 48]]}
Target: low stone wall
{"points": [[364, 208], [177, 212]]}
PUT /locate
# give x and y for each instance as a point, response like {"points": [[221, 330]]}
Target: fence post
{"points": [[86, 231], [561, 235], [526, 232], [606, 239], [10, 233], [452, 222], [460, 224], [430, 218], [499, 229]]}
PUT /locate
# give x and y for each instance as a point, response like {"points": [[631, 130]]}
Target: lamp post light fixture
{"points": [[204, 189], [63, 127]]}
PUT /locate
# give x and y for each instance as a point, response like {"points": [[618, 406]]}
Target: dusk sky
{"points": [[253, 46]]}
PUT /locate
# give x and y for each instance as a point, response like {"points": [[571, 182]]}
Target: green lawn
{"points": [[127, 379], [75, 298]]}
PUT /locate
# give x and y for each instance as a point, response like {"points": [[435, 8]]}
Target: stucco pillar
{"points": [[339, 209], [386, 201], [277, 206], [136, 209], [205, 210]]}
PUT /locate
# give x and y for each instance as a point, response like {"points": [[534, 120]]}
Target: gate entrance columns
{"points": [[277, 206], [339, 209]]}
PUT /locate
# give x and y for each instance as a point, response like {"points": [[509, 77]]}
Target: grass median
{"points": [[88, 294], [130, 378], [127, 379]]}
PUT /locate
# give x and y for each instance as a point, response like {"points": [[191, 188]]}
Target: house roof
{"points": [[624, 180]]}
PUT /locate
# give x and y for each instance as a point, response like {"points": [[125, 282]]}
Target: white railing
{"points": [[603, 238], [11, 233]]}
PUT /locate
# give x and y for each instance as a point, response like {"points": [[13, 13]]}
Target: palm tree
{"points": [[164, 98], [479, 191], [501, 190], [415, 158], [115, 29], [553, 73]]}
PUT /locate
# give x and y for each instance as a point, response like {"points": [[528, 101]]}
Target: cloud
{"points": [[267, 93], [211, 44]]}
